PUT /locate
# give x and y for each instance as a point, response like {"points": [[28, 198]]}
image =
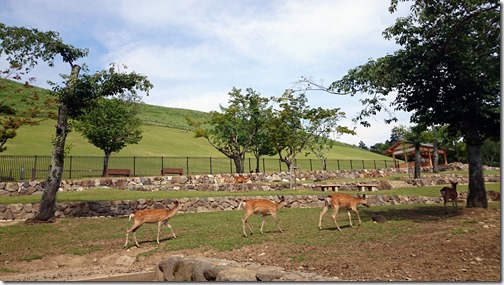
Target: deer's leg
{"points": [[357, 214], [334, 216], [324, 210], [170, 227], [132, 229], [349, 217], [159, 224], [262, 224], [244, 221], [276, 221]]}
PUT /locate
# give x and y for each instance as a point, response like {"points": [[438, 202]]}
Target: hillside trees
{"points": [[447, 72], [110, 125], [295, 123], [232, 130], [25, 47]]}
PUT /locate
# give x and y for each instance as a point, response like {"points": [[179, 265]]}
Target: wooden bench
{"points": [[178, 171], [118, 172], [367, 187], [326, 187]]}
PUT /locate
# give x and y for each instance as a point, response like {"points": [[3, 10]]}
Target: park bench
{"points": [[178, 171], [326, 187], [367, 187], [118, 172]]}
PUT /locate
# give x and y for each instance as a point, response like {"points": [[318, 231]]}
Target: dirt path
{"points": [[439, 253]]}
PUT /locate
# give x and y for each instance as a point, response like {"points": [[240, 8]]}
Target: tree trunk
{"points": [[418, 162], [48, 202], [435, 157], [238, 161], [105, 163], [477, 195], [258, 161]]}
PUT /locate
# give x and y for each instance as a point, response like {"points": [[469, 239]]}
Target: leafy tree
{"points": [[447, 72], [294, 124], [262, 145], [490, 153], [363, 146], [110, 125], [25, 47], [232, 131]]}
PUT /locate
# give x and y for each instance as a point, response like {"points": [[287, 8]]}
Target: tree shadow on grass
{"points": [[418, 213]]}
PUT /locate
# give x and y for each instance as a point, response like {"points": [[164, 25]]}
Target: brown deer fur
{"points": [[493, 195], [450, 194], [346, 201], [263, 208], [240, 179], [151, 216]]}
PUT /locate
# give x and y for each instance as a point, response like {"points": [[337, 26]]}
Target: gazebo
{"points": [[407, 150]]}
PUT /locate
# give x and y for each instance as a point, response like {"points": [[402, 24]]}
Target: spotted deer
{"points": [[240, 179], [263, 208], [450, 194], [151, 216], [346, 201]]}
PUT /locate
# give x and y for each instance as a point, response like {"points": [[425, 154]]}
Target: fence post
{"points": [[363, 167], [311, 166], [21, 175], [264, 167], [351, 165], [374, 161], [134, 165], [385, 164], [187, 165], [34, 169], [162, 162], [211, 165], [70, 170], [338, 165], [280, 165]]}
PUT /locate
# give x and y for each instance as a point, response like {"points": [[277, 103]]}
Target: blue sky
{"points": [[195, 52]]}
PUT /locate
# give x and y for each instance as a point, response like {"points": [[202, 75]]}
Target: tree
{"points": [[261, 143], [25, 47], [447, 72], [232, 131], [294, 124], [110, 125], [363, 146]]}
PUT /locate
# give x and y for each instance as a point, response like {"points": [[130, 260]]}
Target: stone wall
{"points": [[257, 181], [189, 205], [181, 268]]}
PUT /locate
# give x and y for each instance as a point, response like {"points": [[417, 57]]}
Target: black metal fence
{"points": [[24, 168]]}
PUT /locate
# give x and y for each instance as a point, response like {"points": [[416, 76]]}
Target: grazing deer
{"points": [[150, 216], [450, 194], [347, 201], [263, 208], [240, 179]]}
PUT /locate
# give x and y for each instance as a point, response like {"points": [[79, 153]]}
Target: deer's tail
{"points": [[131, 216]]}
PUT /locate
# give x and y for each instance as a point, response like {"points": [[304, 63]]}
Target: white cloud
{"points": [[195, 52]]}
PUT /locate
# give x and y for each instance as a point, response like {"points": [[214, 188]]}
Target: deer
{"points": [[263, 208], [342, 200], [493, 195], [151, 216], [450, 194], [240, 179]]}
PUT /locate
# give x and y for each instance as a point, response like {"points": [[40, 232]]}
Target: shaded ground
{"points": [[461, 247]]}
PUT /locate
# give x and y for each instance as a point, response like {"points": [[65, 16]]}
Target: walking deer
{"points": [[263, 208], [347, 201], [240, 179], [450, 194], [150, 216]]}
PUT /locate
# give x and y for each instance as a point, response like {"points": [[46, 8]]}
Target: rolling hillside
{"points": [[164, 134]]}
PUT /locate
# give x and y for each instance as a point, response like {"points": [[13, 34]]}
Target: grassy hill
{"points": [[164, 133]]}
